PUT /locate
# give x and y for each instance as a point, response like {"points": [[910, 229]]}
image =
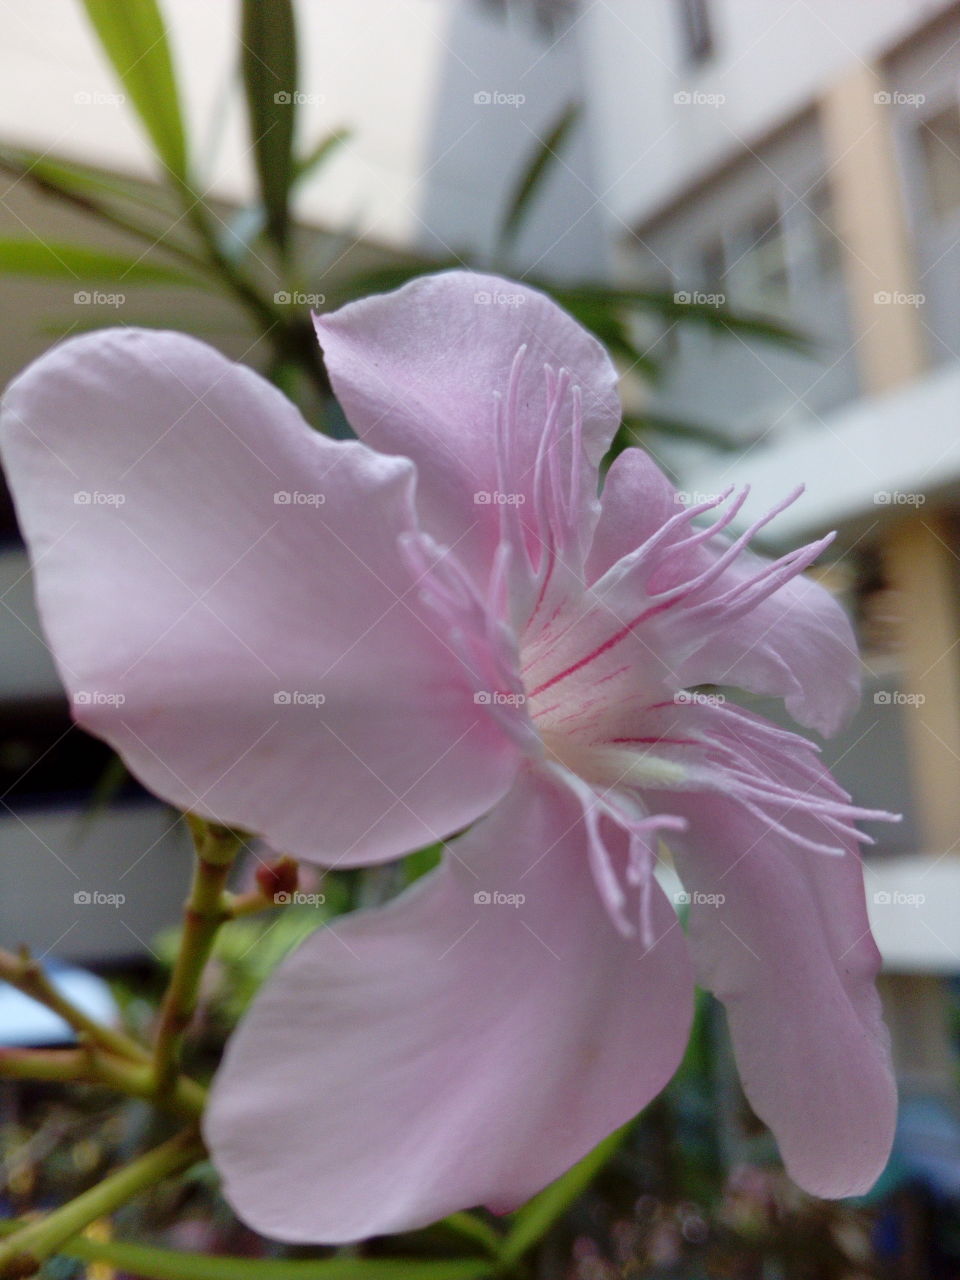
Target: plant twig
{"points": [[204, 913], [27, 975], [87, 1065], [22, 1252]]}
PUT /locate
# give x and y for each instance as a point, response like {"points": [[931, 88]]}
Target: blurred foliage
{"points": [[257, 255]]}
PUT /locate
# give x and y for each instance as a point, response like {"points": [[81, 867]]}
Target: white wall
{"points": [[772, 57]]}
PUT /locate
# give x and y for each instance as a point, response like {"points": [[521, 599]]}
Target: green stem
{"points": [[22, 1253], [27, 976], [88, 1066], [204, 913]]}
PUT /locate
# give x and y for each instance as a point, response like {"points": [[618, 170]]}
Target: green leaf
{"points": [[474, 1228], [82, 264], [531, 179], [319, 154], [269, 66], [164, 1264], [670, 310], [534, 1220], [134, 38], [82, 189]]}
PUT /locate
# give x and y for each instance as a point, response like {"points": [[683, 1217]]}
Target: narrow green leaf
{"points": [[82, 189], [536, 170], [304, 165], [534, 1220], [474, 1228], [672, 308], [134, 37], [269, 66], [82, 264]]}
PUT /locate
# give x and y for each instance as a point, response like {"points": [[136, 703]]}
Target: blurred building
{"points": [[803, 160]]}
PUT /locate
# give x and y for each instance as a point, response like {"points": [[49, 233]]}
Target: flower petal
{"points": [[446, 1051], [796, 644], [780, 934], [224, 593], [417, 372]]}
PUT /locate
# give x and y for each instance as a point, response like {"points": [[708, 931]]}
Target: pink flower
{"points": [[354, 649]]}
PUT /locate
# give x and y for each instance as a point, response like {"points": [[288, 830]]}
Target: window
{"points": [[758, 269], [713, 267], [696, 30], [822, 245], [939, 138], [551, 16]]}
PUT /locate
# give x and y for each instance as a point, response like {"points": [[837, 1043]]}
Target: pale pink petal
{"points": [[447, 1051], [780, 934], [266, 662], [420, 371], [795, 643]]}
